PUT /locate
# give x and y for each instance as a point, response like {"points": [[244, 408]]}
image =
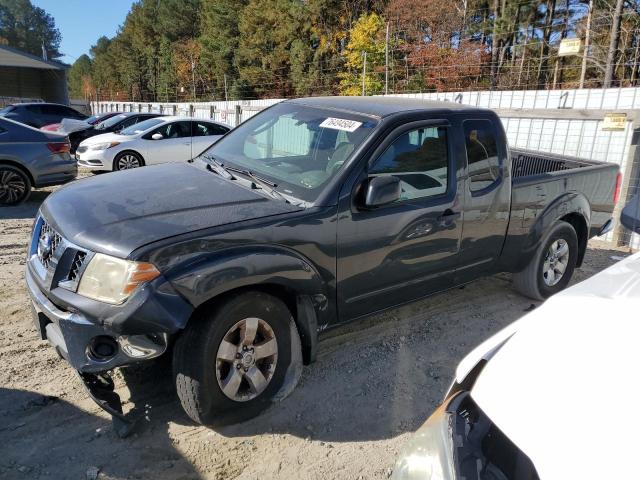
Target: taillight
{"points": [[59, 147], [616, 192]]}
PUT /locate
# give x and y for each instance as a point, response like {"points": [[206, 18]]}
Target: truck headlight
{"points": [[103, 146], [111, 280], [429, 453]]}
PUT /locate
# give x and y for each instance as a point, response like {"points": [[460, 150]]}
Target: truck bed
{"points": [[541, 180], [527, 163]]}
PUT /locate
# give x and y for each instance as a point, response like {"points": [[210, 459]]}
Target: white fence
{"points": [[568, 122]]}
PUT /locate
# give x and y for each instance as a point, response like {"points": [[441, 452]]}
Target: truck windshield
{"points": [[298, 148]]}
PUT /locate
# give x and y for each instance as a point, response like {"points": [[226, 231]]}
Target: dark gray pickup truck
{"points": [[312, 213]]}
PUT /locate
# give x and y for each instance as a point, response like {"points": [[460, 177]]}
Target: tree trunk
{"points": [[495, 45], [585, 52], [614, 40], [544, 50], [559, 76]]}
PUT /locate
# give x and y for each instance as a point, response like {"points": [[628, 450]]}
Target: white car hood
{"points": [[563, 387], [105, 137]]}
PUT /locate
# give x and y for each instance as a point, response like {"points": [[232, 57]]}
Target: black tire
{"points": [[15, 186], [118, 160], [196, 366], [531, 281]]}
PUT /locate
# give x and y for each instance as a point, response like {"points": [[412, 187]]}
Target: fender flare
{"points": [[209, 276], [569, 203]]}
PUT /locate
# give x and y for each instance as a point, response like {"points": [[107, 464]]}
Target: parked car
{"points": [[92, 120], [310, 214], [153, 141], [529, 402], [113, 124], [39, 114], [31, 158]]}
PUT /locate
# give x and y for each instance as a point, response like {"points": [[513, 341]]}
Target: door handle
{"points": [[448, 218]]}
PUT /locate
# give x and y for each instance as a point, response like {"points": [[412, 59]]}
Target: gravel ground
{"points": [[373, 384]]}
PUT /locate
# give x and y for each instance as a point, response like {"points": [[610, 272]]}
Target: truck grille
{"points": [[57, 261], [48, 242]]}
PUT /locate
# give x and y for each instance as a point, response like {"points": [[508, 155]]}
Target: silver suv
{"points": [[31, 158]]}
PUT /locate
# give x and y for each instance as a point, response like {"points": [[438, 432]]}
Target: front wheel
{"points": [[552, 266], [230, 364], [15, 186], [127, 161]]}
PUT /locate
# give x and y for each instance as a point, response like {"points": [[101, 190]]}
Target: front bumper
{"points": [[94, 159], [74, 336]]}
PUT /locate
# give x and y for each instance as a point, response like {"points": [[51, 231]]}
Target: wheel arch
{"points": [[571, 207], [273, 270], [22, 168], [122, 152]]}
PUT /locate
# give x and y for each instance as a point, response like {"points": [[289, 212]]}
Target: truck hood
{"points": [[116, 213], [558, 386]]}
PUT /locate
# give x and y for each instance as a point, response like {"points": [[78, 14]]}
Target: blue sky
{"points": [[82, 22]]}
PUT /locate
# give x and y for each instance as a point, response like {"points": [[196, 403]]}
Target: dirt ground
{"points": [[373, 384]]}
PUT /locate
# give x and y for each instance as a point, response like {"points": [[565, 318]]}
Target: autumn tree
{"points": [[366, 35]]}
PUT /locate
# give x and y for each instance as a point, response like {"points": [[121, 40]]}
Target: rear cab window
{"points": [[483, 159]]}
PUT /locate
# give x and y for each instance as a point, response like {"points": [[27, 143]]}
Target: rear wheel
{"points": [[551, 268], [127, 161], [230, 363], [15, 186]]}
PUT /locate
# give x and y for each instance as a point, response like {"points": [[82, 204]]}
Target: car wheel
{"points": [[552, 266], [231, 362], [15, 186], [127, 161]]}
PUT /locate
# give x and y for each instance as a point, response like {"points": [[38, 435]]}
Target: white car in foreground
{"points": [[152, 141], [551, 396]]}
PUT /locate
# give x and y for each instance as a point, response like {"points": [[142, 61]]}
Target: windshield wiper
{"points": [[263, 183], [218, 167]]}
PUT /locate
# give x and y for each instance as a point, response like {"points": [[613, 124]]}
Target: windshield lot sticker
{"points": [[341, 124]]}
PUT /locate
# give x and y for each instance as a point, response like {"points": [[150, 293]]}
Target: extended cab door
{"points": [[487, 196], [407, 249]]}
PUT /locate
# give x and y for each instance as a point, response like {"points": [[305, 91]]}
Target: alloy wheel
{"points": [[12, 187], [246, 359], [555, 262], [127, 161]]}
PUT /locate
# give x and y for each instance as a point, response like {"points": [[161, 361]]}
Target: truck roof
{"points": [[382, 106]]}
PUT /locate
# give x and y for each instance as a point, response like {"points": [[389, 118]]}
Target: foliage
{"points": [[28, 28], [178, 50], [366, 36]]}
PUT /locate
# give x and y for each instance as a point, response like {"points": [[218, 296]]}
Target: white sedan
{"points": [[547, 396], [152, 141]]}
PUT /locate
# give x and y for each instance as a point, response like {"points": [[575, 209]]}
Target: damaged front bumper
{"points": [[93, 349]]}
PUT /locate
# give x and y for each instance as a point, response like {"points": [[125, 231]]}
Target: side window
{"points": [[174, 130], [482, 153], [204, 129], [419, 158], [128, 122]]}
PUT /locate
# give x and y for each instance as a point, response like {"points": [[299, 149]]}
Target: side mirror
{"points": [[157, 136], [630, 215], [382, 191]]}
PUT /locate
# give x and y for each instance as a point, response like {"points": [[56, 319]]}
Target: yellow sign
{"points": [[569, 46], [613, 122]]}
